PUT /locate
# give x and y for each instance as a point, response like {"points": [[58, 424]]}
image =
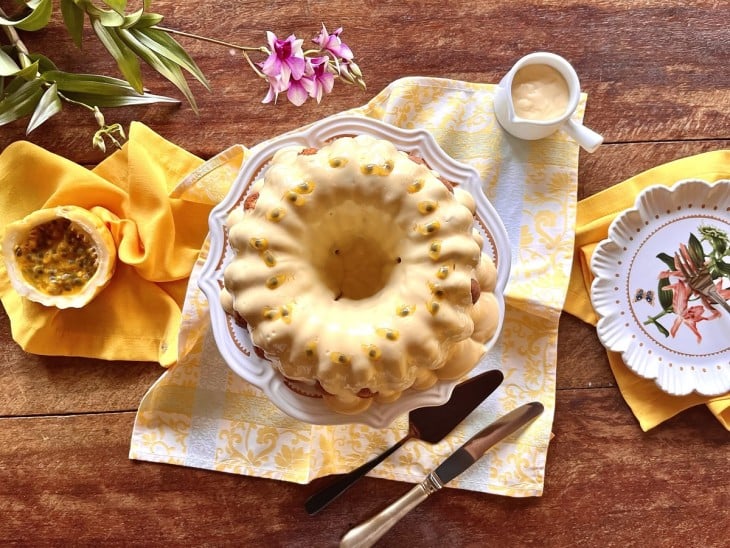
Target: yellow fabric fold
{"points": [[158, 237], [648, 402]]}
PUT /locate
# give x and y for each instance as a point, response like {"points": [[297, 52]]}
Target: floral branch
{"points": [[32, 85], [288, 68]]}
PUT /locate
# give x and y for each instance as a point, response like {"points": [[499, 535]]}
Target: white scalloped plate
{"points": [[302, 402], [680, 343]]}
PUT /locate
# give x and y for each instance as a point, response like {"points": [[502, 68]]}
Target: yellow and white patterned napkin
{"points": [[200, 414]]}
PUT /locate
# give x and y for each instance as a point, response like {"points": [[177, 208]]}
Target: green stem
{"points": [[253, 66], [73, 102], [653, 319], [211, 40], [12, 34]]}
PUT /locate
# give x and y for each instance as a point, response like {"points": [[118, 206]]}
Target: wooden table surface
{"points": [[657, 76]]}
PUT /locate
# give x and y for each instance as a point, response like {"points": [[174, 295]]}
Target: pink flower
{"points": [[286, 59], [724, 293], [276, 86], [322, 79], [289, 69], [688, 315], [299, 90], [333, 44]]}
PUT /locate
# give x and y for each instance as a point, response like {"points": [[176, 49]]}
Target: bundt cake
{"points": [[358, 269]]}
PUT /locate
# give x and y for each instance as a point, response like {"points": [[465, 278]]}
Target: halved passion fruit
{"points": [[61, 256]]}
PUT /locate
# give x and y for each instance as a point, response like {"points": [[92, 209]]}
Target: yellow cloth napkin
{"points": [[651, 405], [158, 236], [199, 413]]}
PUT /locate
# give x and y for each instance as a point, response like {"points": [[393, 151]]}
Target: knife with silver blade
{"points": [[367, 533]]}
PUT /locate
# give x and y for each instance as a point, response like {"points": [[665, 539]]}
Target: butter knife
{"points": [[367, 533], [430, 424]]}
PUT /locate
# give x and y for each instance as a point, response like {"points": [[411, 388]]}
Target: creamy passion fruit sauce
{"points": [[539, 92]]}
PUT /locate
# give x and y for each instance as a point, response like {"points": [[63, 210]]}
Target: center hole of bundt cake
{"points": [[356, 251]]}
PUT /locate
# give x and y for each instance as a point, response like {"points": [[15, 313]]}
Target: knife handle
{"points": [[367, 533], [342, 483]]}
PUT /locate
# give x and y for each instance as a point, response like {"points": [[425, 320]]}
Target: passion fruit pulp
{"points": [[62, 256]]}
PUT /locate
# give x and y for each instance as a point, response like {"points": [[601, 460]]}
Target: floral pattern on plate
{"points": [[663, 329]]}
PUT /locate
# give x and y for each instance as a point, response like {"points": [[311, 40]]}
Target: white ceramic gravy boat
{"points": [[531, 129]]}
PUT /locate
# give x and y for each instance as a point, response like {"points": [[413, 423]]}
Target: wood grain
{"points": [[652, 69], [658, 89], [70, 476]]}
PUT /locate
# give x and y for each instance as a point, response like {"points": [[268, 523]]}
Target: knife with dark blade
{"points": [[429, 424], [367, 533]]}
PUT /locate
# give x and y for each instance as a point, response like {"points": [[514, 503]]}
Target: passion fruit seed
{"points": [[57, 257], [275, 215], [406, 310], [373, 352], [429, 228], [339, 358], [338, 162], [436, 290], [427, 206], [433, 307], [270, 313], [294, 198], [259, 244], [305, 187], [275, 281], [310, 349], [434, 250], [443, 272], [380, 170], [286, 312], [389, 334], [415, 186], [269, 259]]}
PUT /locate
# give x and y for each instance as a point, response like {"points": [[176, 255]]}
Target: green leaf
{"points": [[89, 83], [132, 19], [73, 17], [723, 268], [125, 58], [665, 295], [14, 85], [148, 20], [44, 63], [164, 66], [667, 260], [20, 103], [118, 100], [48, 105], [38, 18], [28, 73], [696, 253], [166, 46], [663, 330], [8, 66], [108, 18], [119, 6]]}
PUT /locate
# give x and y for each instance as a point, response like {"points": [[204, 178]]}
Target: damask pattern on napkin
{"points": [[201, 414]]}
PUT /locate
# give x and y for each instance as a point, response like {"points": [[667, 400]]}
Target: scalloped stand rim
{"points": [[305, 409]]}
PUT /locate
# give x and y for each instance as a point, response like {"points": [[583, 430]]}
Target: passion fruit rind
{"points": [[61, 256]]}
